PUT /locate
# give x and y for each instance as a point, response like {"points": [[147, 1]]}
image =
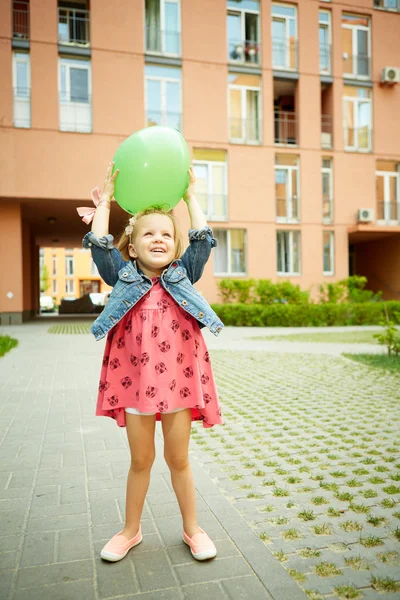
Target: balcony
{"points": [[325, 58], [287, 210], [284, 54], [285, 128], [388, 213], [357, 66], [244, 52], [22, 107], [74, 27], [326, 132], [75, 112], [244, 131], [164, 118], [214, 206], [20, 21], [393, 5], [164, 42]]}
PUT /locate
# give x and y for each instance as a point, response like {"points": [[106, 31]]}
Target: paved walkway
{"points": [[62, 488]]}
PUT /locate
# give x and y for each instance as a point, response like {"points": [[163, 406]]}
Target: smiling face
{"points": [[153, 244]]}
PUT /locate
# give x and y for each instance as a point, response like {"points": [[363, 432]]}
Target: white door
{"points": [[22, 90], [75, 96]]}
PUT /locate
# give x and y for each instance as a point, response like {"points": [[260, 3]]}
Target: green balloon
{"points": [[153, 168]]}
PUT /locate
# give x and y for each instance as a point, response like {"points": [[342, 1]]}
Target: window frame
{"points": [[69, 63], [70, 282], [242, 12], [331, 252], [24, 99], [286, 67], [69, 260], [328, 26], [229, 272], [354, 48], [289, 205], [329, 171], [163, 30], [163, 95], [290, 233], [243, 111], [357, 100], [211, 216], [386, 193]]}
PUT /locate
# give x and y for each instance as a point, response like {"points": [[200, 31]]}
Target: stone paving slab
{"points": [[62, 488]]}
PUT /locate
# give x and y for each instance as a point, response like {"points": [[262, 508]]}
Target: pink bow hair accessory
{"points": [[86, 212]]}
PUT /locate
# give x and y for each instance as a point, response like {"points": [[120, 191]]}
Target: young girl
{"points": [[156, 365]]}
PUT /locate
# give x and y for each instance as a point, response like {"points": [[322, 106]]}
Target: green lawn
{"points": [[334, 337], [71, 328], [6, 344], [378, 361]]}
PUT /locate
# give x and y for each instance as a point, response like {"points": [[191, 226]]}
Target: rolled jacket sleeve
{"points": [[106, 242]]}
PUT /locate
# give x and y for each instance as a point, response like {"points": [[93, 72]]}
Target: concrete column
{"points": [[6, 97], [11, 281]]}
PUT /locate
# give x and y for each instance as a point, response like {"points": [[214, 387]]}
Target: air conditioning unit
{"points": [[390, 75], [365, 215]]}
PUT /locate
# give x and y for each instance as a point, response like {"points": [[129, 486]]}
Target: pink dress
{"points": [[155, 360]]}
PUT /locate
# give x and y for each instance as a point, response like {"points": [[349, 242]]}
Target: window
{"points": [[388, 192], [69, 265], [21, 90], [329, 252], [287, 188], [387, 4], [325, 41], [163, 27], [20, 19], [230, 252], [54, 286], [54, 266], [288, 252], [93, 268], [284, 36], [75, 88], [163, 96], [356, 46], [327, 190], [73, 26], [244, 108], [210, 169], [243, 31], [357, 114], [69, 286]]}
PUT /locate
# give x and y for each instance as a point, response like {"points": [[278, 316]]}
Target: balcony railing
{"points": [[387, 4], [327, 210], [75, 112], [284, 54], [324, 58], [356, 66], [358, 138], [74, 27], [326, 131], [21, 22], [287, 209], [244, 131], [164, 118], [160, 41], [285, 128], [214, 206], [244, 52], [21, 106], [388, 212]]}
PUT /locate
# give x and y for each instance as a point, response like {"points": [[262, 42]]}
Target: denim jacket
{"points": [[130, 284]]}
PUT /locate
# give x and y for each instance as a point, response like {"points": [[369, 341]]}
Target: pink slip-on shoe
{"points": [[201, 546], [118, 547]]}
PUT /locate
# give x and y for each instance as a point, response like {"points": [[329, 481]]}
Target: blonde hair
{"points": [[127, 238]]}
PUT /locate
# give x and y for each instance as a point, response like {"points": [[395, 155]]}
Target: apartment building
{"points": [[291, 111]]}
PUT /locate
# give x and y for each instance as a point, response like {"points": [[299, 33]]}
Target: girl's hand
{"points": [[108, 187], [190, 190]]}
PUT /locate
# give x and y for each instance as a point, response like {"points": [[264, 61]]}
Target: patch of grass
{"points": [[333, 337], [259, 473], [376, 480], [270, 463], [344, 496], [388, 503], [386, 584], [330, 487], [377, 361], [291, 534], [268, 508], [317, 500], [339, 474], [359, 508], [361, 472], [371, 541], [396, 533], [324, 529], [357, 563], [381, 469], [347, 591], [369, 493], [308, 553], [332, 512], [351, 526], [397, 514], [264, 537], [395, 477], [280, 555], [254, 496], [306, 515], [376, 521], [293, 479], [235, 477], [297, 575], [390, 558], [70, 328], [391, 489], [280, 492], [7, 343], [354, 483], [290, 504], [326, 569], [268, 482], [311, 595]]}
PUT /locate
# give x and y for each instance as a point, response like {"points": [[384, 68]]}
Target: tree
{"points": [[44, 279]]}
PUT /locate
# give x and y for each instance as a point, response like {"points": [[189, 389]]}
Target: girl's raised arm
{"points": [[102, 215], [197, 217]]}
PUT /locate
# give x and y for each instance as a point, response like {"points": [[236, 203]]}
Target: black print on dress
{"points": [[103, 386], [195, 353], [144, 359], [163, 304], [174, 326], [198, 406], [188, 372], [154, 331], [164, 346], [197, 344], [172, 385], [128, 327], [143, 316], [114, 363], [134, 360], [126, 382], [207, 398], [151, 391], [219, 412], [120, 343], [137, 395], [162, 406], [111, 335], [204, 378], [187, 317], [160, 368], [185, 392], [186, 335], [180, 357], [113, 400], [105, 360], [139, 338], [207, 357]]}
